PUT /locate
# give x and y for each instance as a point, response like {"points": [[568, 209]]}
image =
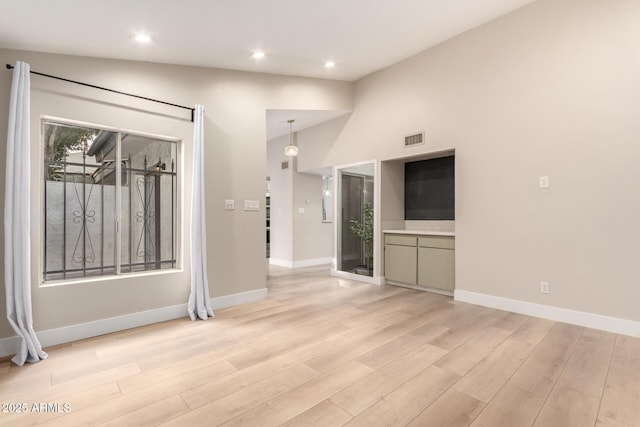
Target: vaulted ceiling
{"points": [[297, 36]]}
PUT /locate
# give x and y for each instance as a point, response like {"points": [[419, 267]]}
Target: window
{"points": [[109, 202]]}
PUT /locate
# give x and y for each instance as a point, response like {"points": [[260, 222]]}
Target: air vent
{"points": [[285, 165], [412, 140]]}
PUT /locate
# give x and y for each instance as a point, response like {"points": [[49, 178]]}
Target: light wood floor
{"points": [[326, 351]]}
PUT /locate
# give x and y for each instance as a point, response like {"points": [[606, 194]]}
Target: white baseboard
{"points": [[420, 288], [299, 264], [281, 262], [237, 299], [9, 346], [311, 262], [376, 280], [580, 318]]}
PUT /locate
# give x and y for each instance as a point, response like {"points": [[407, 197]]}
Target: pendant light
{"points": [[290, 150]]}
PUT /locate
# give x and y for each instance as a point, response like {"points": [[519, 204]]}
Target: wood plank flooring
{"points": [[325, 351]]}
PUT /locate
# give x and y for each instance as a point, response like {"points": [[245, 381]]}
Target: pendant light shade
{"points": [[290, 150]]}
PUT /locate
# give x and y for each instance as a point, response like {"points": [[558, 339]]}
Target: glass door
{"points": [[355, 226]]}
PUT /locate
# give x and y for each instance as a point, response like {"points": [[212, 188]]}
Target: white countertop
{"points": [[421, 232]]}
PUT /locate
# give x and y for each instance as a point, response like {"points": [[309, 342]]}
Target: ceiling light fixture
{"points": [[142, 38], [327, 181], [290, 150], [257, 55], [329, 64]]}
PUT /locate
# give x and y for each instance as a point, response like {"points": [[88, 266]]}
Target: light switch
{"points": [[300, 210], [229, 205], [252, 205], [544, 182]]}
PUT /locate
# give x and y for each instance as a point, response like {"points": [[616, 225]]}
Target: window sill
{"points": [[124, 276]]}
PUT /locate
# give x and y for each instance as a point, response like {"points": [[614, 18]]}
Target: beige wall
{"points": [[235, 158], [551, 89], [317, 144], [391, 200], [312, 238], [295, 237], [281, 246]]}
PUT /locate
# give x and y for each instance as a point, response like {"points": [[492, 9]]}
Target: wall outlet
{"points": [[229, 205], [544, 182], [544, 287]]}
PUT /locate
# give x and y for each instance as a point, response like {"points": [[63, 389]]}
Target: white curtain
{"points": [[199, 301], [17, 247]]}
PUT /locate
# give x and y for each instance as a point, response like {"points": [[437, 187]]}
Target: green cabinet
{"points": [[401, 262], [436, 262], [422, 260]]}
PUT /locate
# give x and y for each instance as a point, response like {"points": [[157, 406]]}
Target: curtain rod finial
{"points": [[9, 66]]}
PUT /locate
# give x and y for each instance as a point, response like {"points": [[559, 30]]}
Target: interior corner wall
{"points": [[551, 89], [317, 145], [235, 158], [391, 201]]}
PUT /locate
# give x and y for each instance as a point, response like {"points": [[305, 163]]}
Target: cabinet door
{"points": [[436, 268], [400, 263]]}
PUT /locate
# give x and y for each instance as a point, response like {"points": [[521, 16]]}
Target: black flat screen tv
{"points": [[429, 189]]}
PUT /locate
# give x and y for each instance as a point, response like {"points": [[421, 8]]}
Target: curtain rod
{"points": [[10, 67]]}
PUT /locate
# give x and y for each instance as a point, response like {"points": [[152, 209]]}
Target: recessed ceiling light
{"points": [[142, 38], [329, 64], [257, 55]]}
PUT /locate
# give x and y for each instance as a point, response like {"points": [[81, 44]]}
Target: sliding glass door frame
{"points": [[337, 229]]}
